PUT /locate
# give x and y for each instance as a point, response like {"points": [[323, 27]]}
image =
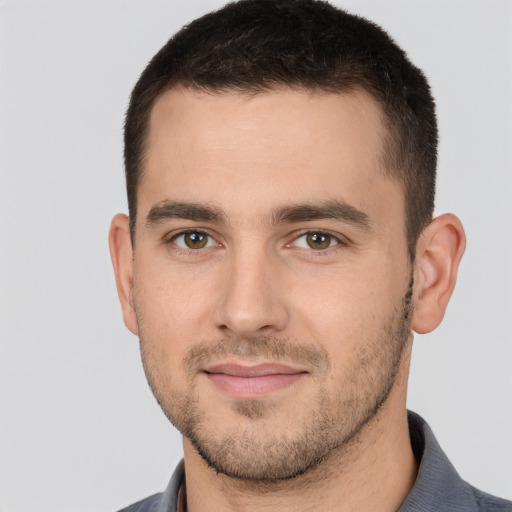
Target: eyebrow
{"points": [[336, 209], [167, 210]]}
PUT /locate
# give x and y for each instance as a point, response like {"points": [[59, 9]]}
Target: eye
{"points": [[316, 240], [193, 240]]}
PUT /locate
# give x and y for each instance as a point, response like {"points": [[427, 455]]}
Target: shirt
{"points": [[438, 487]]}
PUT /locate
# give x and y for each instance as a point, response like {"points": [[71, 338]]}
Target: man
{"points": [[280, 250]]}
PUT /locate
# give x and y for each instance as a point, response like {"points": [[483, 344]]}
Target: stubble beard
{"points": [[256, 451]]}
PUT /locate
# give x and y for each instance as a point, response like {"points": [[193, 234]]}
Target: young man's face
{"points": [[271, 274]]}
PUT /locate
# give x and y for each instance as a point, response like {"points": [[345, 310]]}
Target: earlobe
{"points": [[121, 253], [438, 254]]}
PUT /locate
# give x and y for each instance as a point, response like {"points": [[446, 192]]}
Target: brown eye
{"points": [[319, 241], [193, 240]]}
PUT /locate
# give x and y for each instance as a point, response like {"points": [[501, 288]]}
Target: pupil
{"points": [[318, 241]]}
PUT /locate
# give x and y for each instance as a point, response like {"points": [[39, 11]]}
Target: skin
{"points": [[257, 293]]}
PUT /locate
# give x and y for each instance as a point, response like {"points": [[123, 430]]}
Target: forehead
{"points": [[280, 146], [281, 117]]}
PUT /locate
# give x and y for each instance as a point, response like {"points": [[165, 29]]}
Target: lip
{"points": [[252, 381]]}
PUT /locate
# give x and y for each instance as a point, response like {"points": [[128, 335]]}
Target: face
{"points": [[271, 275]]}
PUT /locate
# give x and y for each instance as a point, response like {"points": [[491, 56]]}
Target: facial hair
{"points": [[256, 449]]}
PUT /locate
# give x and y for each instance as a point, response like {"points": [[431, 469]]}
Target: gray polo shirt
{"points": [[438, 487]]}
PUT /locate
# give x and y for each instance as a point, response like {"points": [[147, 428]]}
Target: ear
{"points": [[121, 253], [438, 254]]}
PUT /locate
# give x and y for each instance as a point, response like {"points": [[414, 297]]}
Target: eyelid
{"points": [[171, 238], [339, 238]]}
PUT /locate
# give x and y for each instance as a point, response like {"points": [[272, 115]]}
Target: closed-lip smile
{"points": [[251, 381]]}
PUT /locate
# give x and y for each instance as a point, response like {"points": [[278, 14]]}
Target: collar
{"points": [[438, 486]]}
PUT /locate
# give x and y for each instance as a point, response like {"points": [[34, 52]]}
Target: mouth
{"points": [[244, 381]]}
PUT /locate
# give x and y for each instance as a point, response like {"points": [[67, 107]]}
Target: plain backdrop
{"points": [[79, 428]]}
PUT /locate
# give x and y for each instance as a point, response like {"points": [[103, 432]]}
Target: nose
{"points": [[251, 299]]}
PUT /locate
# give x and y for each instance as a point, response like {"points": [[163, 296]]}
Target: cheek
{"points": [[349, 309], [170, 311], [169, 292]]}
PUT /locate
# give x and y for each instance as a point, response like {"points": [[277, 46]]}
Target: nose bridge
{"points": [[250, 301]]}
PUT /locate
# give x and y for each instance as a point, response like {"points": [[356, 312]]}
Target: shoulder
{"points": [[162, 502], [146, 505], [488, 503], [438, 486]]}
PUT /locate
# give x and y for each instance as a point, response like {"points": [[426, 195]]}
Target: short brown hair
{"points": [[258, 45]]}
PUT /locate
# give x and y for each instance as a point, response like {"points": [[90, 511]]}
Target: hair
{"points": [[256, 46]]}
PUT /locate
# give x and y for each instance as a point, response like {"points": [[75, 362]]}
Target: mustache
{"points": [[265, 347]]}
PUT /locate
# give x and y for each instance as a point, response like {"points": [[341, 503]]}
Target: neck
{"points": [[374, 471]]}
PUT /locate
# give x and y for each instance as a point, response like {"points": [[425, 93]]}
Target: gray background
{"points": [[79, 429]]}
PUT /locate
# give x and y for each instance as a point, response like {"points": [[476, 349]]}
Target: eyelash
{"points": [[339, 240], [189, 251]]}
